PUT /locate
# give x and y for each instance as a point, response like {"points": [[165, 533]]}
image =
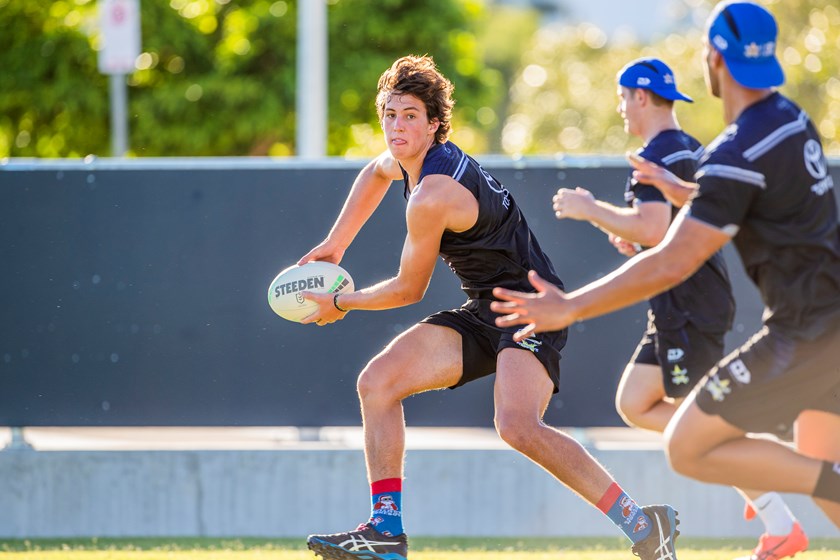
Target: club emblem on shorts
{"points": [[679, 376], [531, 344], [718, 387], [740, 372], [675, 354]]}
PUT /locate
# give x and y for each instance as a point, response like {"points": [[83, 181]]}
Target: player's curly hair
{"points": [[419, 76]]}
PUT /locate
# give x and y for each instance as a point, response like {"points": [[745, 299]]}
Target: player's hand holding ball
{"points": [[306, 293]]}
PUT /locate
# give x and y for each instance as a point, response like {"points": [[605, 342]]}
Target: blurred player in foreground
{"points": [[764, 184], [456, 210], [687, 324]]}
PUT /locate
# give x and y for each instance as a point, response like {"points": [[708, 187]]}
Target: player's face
{"points": [[408, 131], [709, 75], [628, 108]]}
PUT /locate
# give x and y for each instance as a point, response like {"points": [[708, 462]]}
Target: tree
{"points": [[217, 77], [564, 97]]}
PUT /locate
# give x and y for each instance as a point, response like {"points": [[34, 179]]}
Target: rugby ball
{"points": [[285, 293]]}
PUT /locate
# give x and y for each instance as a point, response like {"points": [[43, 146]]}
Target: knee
{"points": [[517, 430], [681, 455], [629, 408], [377, 382]]}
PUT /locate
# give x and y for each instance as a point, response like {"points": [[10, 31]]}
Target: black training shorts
{"points": [[684, 355], [763, 386], [482, 340]]}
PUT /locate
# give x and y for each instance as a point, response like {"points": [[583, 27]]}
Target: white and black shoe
{"points": [[659, 544], [365, 543]]}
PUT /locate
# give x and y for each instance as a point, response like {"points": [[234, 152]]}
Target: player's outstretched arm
{"points": [[645, 223], [367, 193], [675, 189], [687, 246], [549, 309]]}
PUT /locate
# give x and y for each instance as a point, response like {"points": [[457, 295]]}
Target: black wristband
{"points": [[335, 303]]}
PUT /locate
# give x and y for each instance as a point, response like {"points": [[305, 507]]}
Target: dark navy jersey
{"points": [[765, 181], [499, 249], [705, 299]]}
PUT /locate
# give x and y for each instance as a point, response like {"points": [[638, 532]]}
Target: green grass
{"points": [[421, 548]]}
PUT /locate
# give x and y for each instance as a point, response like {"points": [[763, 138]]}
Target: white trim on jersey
{"points": [[462, 167], [683, 154], [732, 172], [776, 137]]}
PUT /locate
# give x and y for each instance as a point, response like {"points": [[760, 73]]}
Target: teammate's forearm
{"points": [[678, 193], [638, 279], [622, 222]]}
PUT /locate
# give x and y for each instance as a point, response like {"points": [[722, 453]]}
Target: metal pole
{"points": [[119, 115], [311, 136]]}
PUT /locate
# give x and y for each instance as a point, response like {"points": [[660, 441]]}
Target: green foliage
{"points": [[564, 99], [217, 77], [44, 110]]}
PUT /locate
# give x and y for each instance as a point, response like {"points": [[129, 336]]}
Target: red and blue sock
{"points": [[623, 511], [386, 506]]}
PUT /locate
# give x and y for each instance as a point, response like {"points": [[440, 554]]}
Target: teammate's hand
{"points": [[325, 251], [623, 246], [326, 312], [673, 188], [546, 310], [574, 204]]}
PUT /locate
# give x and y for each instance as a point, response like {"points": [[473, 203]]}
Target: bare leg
{"points": [[640, 399], [817, 434], [423, 358], [522, 392], [708, 448]]}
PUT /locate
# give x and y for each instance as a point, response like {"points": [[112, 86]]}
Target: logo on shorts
{"points": [[740, 372], [679, 376], [718, 387], [531, 344], [675, 354]]}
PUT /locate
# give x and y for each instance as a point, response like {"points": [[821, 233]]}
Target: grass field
{"points": [[421, 549]]}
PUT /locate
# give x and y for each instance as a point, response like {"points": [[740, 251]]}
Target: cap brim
{"points": [[672, 95], [757, 75]]}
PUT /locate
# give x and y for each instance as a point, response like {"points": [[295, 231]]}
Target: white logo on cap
{"points": [[768, 49], [669, 79], [643, 82], [720, 42], [752, 50]]}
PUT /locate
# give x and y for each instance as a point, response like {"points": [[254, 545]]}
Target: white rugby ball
{"points": [[285, 293]]}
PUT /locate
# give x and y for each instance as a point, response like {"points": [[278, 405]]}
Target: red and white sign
{"points": [[119, 22]]}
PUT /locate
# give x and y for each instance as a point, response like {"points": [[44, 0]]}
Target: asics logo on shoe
{"points": [[358, 542], [663, 551]]}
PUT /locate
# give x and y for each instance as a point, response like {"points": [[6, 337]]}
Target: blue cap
{"points": [[744, 33], [652, 74]]}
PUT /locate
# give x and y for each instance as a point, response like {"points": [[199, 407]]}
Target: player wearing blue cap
{"points": [[687, 324], [457, 211], [764, 184]]}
